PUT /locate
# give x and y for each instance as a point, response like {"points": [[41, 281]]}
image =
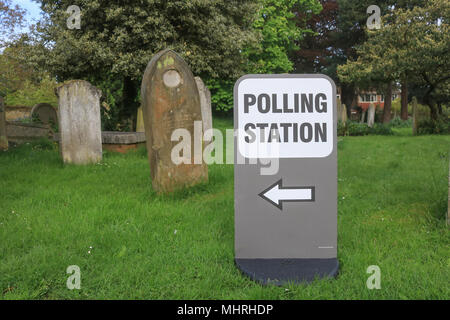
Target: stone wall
{"points": [[17, 113], [18, 132]]}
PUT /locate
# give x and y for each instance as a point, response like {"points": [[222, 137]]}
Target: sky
{"points": [[33, 11]]}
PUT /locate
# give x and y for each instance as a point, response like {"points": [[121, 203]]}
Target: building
{"points": [[365, 98]]}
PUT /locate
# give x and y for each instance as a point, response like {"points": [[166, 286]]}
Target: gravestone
{"points": [[79, 122], [415, 119], [171, 101], [140, 121], [371, 115], [205, 103], [343, 115], [363, 116], [3, 137], [339, 109], [45, 113]]}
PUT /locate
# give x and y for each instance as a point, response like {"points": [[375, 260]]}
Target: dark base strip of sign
{"points": [[283, 271]]}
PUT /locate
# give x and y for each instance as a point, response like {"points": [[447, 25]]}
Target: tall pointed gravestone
{"points": [[79, 122], [3, 138], [171, 101]]}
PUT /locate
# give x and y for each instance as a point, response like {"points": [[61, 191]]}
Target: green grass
{"points": [[392, 206]]}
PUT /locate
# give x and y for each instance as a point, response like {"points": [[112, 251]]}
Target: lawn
{"points": [[133, 244]]}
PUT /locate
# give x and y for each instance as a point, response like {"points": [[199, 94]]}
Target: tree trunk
{"points": [[433, 111], [404, 109], [347, 97], [387, 104], [430, 102], [129, 108]]}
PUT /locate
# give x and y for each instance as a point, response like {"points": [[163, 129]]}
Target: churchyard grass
{"points": [[133, 244]]}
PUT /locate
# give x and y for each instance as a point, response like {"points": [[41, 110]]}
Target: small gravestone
{"points": [[45, 113], [79, 122], [3, 138], [371, 115], [339, 109], [343, 115], [415, 119], [171, 101], [363, 116], [205, 103], [140, 121]]}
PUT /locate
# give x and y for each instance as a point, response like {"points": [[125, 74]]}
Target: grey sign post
{"points": [[286, 223]]}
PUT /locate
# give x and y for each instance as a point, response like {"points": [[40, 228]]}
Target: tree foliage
{"points": [[277, 22], [122, 38], [413, 44], [11, 17], [117, 40]]}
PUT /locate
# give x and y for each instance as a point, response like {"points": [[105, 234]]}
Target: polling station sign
{"points": [[285, 118], [286, 222]]}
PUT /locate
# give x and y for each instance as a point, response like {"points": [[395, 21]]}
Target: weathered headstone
{"points": [[45, 113], [79, 122], [371, 115], [363, 116], [171, 101], [339, 109], [3, 137], [415, 119], [140, 121], [343, 115], [205, 103]]}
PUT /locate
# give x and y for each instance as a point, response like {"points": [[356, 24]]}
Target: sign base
{"points": [[282, 271]]}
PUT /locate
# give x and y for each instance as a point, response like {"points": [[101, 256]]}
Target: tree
{"points": [[117, 39], [318, 46], [277, 21], [338, 30], [11, 70], [278, 36], [412, 45], [11, 17]]}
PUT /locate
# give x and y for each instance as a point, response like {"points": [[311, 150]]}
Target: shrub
{"points": [[32, 94], [221, 94], [353, 128], [43, 144], [397, 122], [342, 128], [429, 126], [357, 129], [381, 129]]}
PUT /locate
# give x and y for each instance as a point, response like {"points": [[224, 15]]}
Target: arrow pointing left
{"points": [[276, 194]]}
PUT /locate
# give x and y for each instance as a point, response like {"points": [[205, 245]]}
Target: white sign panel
{"points": [[285, 117]]}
